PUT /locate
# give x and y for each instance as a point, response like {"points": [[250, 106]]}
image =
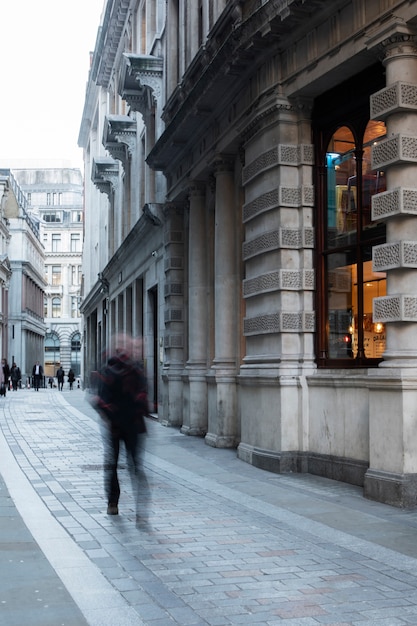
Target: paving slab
{"points": [[225, 543]]}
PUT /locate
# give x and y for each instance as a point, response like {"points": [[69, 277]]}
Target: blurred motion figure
{"points": [[122, 402]]}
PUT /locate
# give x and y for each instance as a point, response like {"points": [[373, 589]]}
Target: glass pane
{"points": [[342, 306], [341, 189], [374, 285], [373, 181]]}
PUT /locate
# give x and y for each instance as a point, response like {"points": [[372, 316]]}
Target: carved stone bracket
{"points": [[105, 174], [119, 136], [141, 82]]}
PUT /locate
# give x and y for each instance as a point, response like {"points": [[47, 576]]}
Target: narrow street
{"points": [[226, 543]]}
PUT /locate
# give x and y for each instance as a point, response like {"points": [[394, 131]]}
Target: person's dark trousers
{"points": [[37, 382], [134, 444]]}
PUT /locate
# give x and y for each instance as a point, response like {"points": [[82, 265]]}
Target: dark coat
{"points": [[40, 370], [122, 398]]}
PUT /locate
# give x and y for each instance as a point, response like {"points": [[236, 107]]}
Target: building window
{"points": [[346, 333], [52, 216], [56, 307], [76, 216], [74, 307], [45, 307], [75, 242], [76, 353], [75, 275], [52, 354], [56, 242], [56, 275]]}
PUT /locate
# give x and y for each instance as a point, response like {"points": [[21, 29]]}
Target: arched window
{"points": [[52, 354], [76, 353], [346, 182]]}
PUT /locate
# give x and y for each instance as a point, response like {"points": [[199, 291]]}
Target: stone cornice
{"points": [[238, 42], [108, 40]]}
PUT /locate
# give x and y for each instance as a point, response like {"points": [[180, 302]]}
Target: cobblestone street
{"points": [[226, 543]]}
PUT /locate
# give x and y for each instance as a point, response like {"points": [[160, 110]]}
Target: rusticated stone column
{"points": [[174, 314], [392, 476], [223, 422], [195, 419]]}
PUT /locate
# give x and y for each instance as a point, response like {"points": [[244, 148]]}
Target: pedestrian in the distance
{"points": [[15, 376], [71, 378], [4, 377], [37, 373], [60, 377], [122, 402]]}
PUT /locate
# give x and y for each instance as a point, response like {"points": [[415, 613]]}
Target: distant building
{"points": [[22, 283], [55, 197]]}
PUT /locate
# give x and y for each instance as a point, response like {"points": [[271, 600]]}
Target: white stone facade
{"points": [[212, 132], [55, 198], [22, 280]]}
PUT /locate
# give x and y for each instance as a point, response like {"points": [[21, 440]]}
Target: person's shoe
{"points": [[112, 509], [142, 523]]}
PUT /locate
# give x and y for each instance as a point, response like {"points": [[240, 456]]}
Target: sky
{"points": [[45, 50]]}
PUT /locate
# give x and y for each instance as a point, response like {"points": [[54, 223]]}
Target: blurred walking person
{"points": [[71, 378], [4, 377], [60, 377], [37, 373], [122, 402], [15, 376]]}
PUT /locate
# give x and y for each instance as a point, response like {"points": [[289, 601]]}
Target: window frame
{"points": [[332, 111]]}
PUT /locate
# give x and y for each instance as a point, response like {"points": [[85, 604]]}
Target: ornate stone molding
{"points": [[172, 340], [283, 321], [398, 97], [105, 174], [393, 39], [398, 308], [289, 280], [173, 315], [223, 163], [283, 154], [398, 201], [173, 289], [399, 43], [197, 189], [119, 136], [141, 81], [395, 149], [390, 256], [280, 196], [274, 240]]}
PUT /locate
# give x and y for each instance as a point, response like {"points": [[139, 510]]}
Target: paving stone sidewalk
{"points": [[226, 543]]}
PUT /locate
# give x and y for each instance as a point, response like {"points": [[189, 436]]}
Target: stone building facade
{"points": [[251, 170], [55, 199], [22, 282]]}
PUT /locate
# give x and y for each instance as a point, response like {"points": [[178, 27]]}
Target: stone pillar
{"points": [[174, 315], [222, 425], [392, 476], [195, 420]]}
